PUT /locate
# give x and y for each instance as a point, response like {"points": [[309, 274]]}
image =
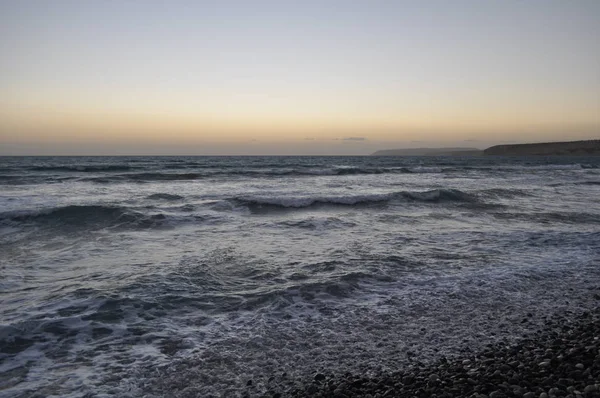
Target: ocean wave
{"points": [[72, 215], [577, 218], [588, 183], [16, 179], [575, 166], [145, 177], [314, 223], [435, 195], [161, 176], [301, 202], [164, 196], [84, 168], [248, 173], [564, 184], [97, 217], [87, 217], [504, 192], [441, 195], [32, 179], [296, 287], [309, 171]]}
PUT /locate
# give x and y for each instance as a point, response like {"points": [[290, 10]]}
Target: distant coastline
{"points": [[569, 148]]}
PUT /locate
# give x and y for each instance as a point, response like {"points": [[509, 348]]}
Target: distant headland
{"points": [[570, 148]]}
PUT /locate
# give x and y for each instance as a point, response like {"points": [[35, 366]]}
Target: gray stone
{"points": [[590, 388]]}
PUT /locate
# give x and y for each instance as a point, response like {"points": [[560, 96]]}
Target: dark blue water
{"points": [[183, 276]]}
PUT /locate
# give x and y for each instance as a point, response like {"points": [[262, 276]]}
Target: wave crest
{"points": [[435, 195], [78, 215]]}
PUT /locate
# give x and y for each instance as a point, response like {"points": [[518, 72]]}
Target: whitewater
{"points": [[221, 276]]}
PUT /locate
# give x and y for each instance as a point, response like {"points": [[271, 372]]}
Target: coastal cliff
{"points": [[571, 148]]}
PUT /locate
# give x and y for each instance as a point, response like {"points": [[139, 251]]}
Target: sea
{"points": [[220, 276]]}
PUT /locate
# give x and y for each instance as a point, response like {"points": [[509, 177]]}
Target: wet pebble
{"points": [[560, 360]]}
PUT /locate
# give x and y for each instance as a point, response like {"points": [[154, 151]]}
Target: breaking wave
{"points": [[79, 216], [432, 196], [97, 217]]}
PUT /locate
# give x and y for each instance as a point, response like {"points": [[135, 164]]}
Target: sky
{"points": [[294, 77]]}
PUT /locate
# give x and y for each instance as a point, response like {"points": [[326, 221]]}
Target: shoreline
{"points": [[562, 359], [407, 342]]}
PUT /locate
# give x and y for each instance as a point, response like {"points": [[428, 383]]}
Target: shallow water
{"points": [[190, 275]]}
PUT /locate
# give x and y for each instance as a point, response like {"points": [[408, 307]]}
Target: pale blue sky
{"points": [[219, 73]]}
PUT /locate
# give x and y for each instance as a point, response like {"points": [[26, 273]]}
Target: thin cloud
{"points": [[354, 139]]}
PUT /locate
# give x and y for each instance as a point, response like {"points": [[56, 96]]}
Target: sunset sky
{"points": [[294, 77]]}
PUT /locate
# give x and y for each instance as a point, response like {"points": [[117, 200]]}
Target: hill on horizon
{"points": [[566, 148]]}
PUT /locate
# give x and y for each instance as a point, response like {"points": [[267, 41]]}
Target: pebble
{"points": [[590, 388], [548, 363]]}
